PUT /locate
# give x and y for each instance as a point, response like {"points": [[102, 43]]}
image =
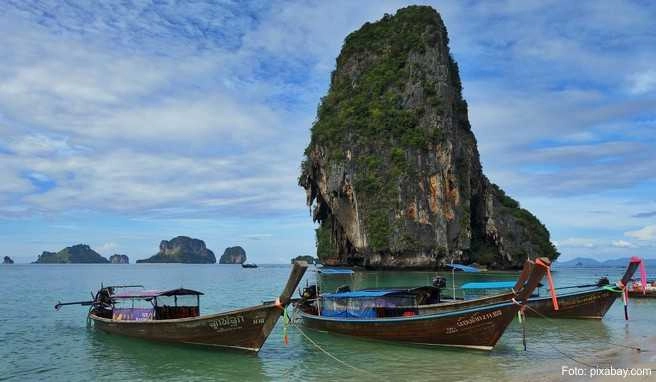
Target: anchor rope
{"points": [[554, 322], [321, 349], [331, 355]]}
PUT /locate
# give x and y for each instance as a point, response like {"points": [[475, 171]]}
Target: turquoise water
{"points": [[38, 343]]}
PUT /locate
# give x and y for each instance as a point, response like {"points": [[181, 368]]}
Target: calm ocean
{"points": [[38, 343]]}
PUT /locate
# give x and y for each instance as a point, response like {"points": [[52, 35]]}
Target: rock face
{"points": [[119, 259], [182, 249], [233, 255], [7, 260], [77, 254], [392, 169]]}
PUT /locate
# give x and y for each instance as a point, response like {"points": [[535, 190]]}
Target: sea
{"points": [[38, 343]]}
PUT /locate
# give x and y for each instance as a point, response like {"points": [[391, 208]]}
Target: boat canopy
{"points": [[464, 268], [489, 285], [365, 293], [335, 271], [156, 293], [366, 303]]}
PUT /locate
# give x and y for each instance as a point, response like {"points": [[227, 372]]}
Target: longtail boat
{"points": [[398, 314], [174, 316], [591, 303], [637, 290]]}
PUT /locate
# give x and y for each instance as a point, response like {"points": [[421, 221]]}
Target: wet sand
{"points": [[616, 357]]}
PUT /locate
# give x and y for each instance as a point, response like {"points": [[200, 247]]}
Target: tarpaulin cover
{"points": [[363, 303], [368, 312], [464, 268]]}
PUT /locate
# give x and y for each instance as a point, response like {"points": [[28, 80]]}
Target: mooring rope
{"points": [[293, 321], [553, 321], [331, 355]]}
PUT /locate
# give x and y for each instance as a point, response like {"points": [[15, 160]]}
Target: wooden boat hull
{"points": [[244, 329], [638, 294], [591, 304], [477, 328]]}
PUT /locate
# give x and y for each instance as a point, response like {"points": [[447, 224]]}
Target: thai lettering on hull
{"points": [[472, 320], [223, 324]]}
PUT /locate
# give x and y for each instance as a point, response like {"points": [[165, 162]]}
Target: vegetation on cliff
{"points": [[392, 167], [80, 253], [7, 260], [182, 249]]}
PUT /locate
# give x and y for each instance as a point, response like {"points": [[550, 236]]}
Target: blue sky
{"points": [[125, 124]]}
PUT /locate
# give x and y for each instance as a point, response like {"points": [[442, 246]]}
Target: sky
{"points": [[124, 124]]}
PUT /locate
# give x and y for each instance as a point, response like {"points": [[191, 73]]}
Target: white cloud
{"points": [[258, 236], [646, 233], [576, 242], [42, 145], [622, 244], [107, 249], [127, 180], [643, 82]]}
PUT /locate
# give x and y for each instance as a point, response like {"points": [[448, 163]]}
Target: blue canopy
{"points": [[361, 293], [489, 285], [464, 268], [335, 271]]}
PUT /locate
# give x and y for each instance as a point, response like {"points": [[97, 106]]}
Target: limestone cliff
{"points": [[392, 169], [7, 260], [77, 254], [119, 259], [233, 255], [182, 249]]}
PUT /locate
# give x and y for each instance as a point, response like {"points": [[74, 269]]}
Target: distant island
{"points": [[233, 255], [586, 262], [307, 258], [182, 249], [77, 254], [7, 260], [119, 259]]}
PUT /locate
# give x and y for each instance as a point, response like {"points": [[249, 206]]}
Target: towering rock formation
{"points": [[119, 259], [233, 255], [182, 249], [392, 169]]}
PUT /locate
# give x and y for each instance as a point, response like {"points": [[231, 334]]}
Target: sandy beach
{"points": [[614, 364]]}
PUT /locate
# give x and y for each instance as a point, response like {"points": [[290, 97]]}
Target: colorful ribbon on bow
{"points": [[552, 289]]}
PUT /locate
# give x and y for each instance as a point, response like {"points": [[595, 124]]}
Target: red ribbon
{"points": [[552, 289]]}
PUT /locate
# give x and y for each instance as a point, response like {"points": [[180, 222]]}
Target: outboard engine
{"points": [[309, 292], [603, 281], [342, 289], [439, 282]]}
